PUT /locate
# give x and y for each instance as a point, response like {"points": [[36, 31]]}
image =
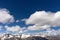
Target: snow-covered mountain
{"points": [[10, 36], [28, 37]]}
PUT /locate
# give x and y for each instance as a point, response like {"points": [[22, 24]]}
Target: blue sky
{"points": [[20, 7], [23, 9]]}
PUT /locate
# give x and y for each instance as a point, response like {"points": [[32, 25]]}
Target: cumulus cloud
{"points": [[5, 16], [13, 28], [51, 32], [44, 18], [17, 29], [38, 27]]}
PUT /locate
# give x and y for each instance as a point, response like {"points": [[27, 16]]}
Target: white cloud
{"points": [[44, 18], [17, 20], [5, 16], [38, 27], [49, 32], [17, 29], [23, 29], [13, 28], [1, 27], [53, 32]]}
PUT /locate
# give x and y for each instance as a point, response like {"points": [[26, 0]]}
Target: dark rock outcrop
{"points": [[35, 38]]}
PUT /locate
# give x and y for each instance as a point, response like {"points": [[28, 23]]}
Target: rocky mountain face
{"points": [[18, 37], [53, 37], [35, 38]]}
